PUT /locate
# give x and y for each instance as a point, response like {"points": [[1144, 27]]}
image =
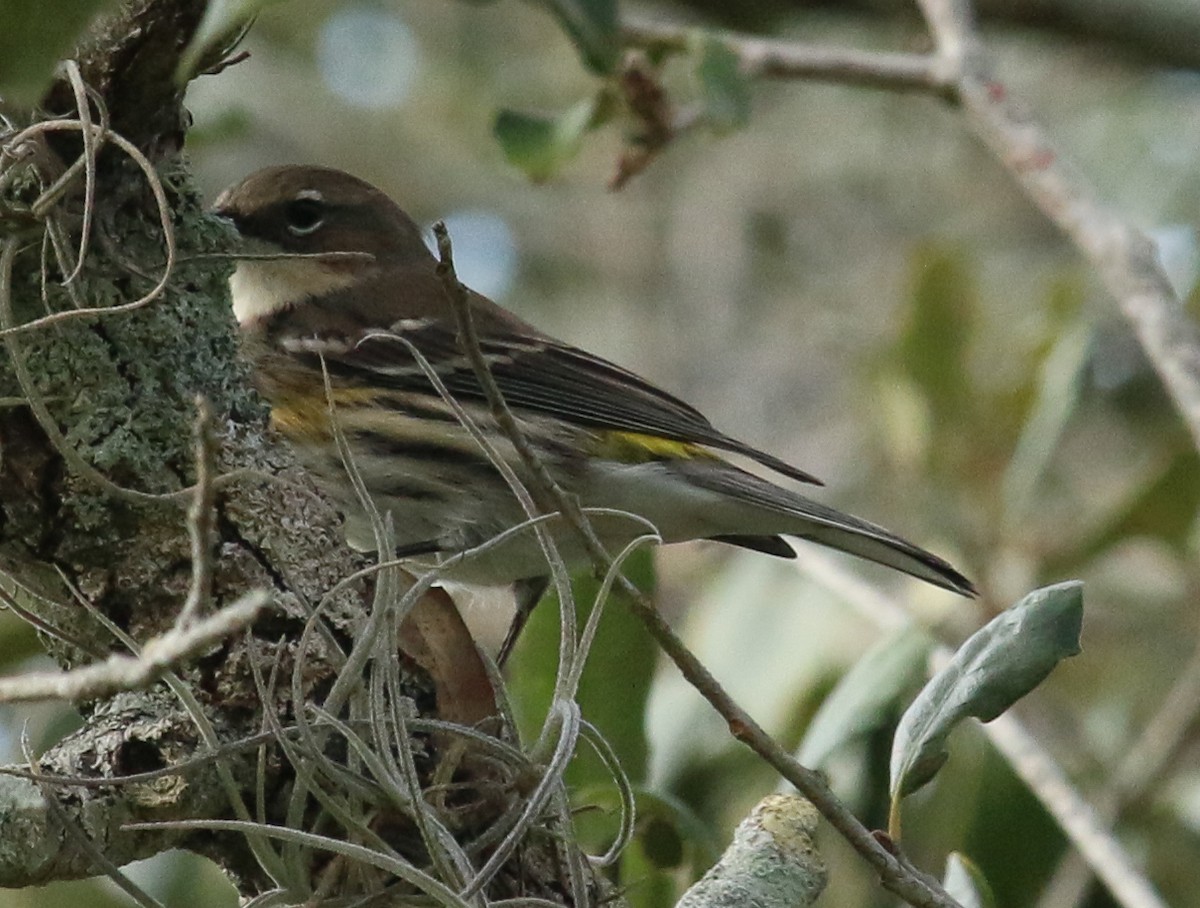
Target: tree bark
{"points": [[99, 419]]}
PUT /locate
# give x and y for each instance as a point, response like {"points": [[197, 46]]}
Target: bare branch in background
{"points": [[961, 71]]}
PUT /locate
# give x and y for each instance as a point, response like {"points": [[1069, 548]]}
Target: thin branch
{"points": [[118, 673], [797, 60], [201, 517]]}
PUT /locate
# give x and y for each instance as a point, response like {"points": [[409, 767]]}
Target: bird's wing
{"points": [[536, 374]]}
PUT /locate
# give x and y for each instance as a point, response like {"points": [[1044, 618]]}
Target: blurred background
{"points": [[852, 283]]}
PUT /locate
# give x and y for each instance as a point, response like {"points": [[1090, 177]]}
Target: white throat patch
{"points": [[259, 288]]}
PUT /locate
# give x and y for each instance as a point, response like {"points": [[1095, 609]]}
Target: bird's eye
{"points": [[304, 215]]}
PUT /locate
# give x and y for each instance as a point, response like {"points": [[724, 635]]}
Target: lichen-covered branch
{"points": [[772, 861]]}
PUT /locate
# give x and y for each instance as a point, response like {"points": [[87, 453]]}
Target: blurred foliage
{"points": [[725, 90], [33, 39], [20, 641], [869, 697], [851, 283], [965, 882], [540, 145], [614, 685], [593, 26]]}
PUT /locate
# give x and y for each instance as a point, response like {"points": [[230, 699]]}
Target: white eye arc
{"points": [[305, 213]]}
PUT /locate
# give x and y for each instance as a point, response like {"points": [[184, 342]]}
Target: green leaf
{"points": [[966, 884], [671, 846], [594, 27], [997, 665], [34, 36], [1057, 398], [933, 347], [868, 695], [723, 86], [540, 145], [615, 684], [644, 884]]}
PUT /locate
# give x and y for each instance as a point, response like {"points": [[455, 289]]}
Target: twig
{"points": [[120, 673], [219, 67], [646, 98], [797, 60], [201, 517]]}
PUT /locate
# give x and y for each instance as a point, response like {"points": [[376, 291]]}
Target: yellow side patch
{"points": [[306, 417], [636, 447]]}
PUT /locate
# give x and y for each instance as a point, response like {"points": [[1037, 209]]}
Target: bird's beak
{"points": [[222, 209]]}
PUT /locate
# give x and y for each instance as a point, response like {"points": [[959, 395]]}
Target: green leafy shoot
{"points": [[994, 668], [723, 86], [540, 145]]}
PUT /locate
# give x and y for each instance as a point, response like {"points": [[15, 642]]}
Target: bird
{"points": [[341, 322]]}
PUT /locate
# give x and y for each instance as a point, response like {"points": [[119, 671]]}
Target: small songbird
{"points": [[610, 438]]}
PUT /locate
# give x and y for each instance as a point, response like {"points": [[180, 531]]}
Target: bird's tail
{"points": [[772, 510]]}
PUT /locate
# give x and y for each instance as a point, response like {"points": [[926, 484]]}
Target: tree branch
{"points": [[772, 861], [960, 71], [770, 58]]}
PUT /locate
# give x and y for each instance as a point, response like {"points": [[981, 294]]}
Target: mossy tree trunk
{"points": [[115, 402]]}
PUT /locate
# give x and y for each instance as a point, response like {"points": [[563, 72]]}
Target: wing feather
{"points": [[540, 375]]}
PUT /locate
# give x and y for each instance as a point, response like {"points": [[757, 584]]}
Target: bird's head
{"points": [[324, 230]]}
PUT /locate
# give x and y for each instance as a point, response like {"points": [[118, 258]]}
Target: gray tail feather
{"points": [[811, 520], [768, 545], [849, 534]]}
